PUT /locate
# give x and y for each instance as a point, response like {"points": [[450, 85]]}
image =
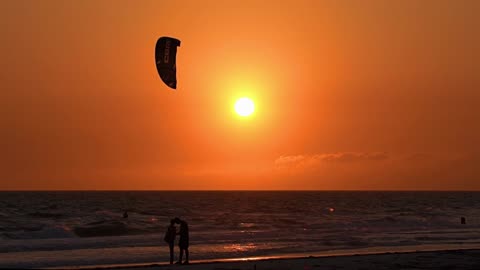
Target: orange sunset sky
{"points": [[348, 95]]}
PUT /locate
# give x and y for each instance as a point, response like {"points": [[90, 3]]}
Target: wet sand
{"points": [[450, 259]]}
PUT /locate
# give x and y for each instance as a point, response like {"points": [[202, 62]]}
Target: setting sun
{"points": [[244, 106]]}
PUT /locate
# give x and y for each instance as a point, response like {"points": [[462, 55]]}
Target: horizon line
{"points": [[239, 190]]}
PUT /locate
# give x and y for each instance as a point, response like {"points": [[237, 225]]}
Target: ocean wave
{"points": [[40, 232], [45, 215], [101, 228], [231, 216]]}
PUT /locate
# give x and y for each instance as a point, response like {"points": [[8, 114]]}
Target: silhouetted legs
{"points": [[171, 253], [186, 256], [181, 255]]}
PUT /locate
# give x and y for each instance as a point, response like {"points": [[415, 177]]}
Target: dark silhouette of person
{"points": [[183, 241], [125, 214], [170, 238]]}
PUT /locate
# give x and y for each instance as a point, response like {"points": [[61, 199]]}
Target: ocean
{"points": [[82, 228]]}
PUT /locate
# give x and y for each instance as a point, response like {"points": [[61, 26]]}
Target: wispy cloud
{"points": [[340, 157]]}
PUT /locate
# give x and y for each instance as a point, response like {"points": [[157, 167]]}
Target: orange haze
{"points": [[348, 95]]}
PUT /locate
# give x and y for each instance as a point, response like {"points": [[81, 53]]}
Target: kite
{"points": [[165, 58]]}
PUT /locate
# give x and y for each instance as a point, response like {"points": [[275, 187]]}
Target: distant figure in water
{"points": [[170, 238], [183, 241], [125, 214], [463, 220]]}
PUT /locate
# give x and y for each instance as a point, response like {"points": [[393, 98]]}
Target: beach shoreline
{"points": [[406, 258]]}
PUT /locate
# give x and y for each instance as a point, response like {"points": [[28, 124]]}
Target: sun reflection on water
{"points": [[240, 247]]}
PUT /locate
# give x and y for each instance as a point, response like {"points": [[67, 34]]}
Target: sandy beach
{"points": [[461, 259], [446, 259]]}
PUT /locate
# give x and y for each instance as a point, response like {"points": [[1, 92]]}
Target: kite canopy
{"points": [[165, 57]]}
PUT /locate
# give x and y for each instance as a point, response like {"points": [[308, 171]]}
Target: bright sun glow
{"points": [[244, 106]]}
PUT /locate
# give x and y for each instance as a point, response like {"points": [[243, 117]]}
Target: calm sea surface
{"points": [[46, 229]]}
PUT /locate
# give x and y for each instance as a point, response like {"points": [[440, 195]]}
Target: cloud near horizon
{"points": [[306, 161], [380, 170]]}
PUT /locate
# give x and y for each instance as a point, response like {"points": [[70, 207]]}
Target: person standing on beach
{"points": [[183, 241], [170, 238]]}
